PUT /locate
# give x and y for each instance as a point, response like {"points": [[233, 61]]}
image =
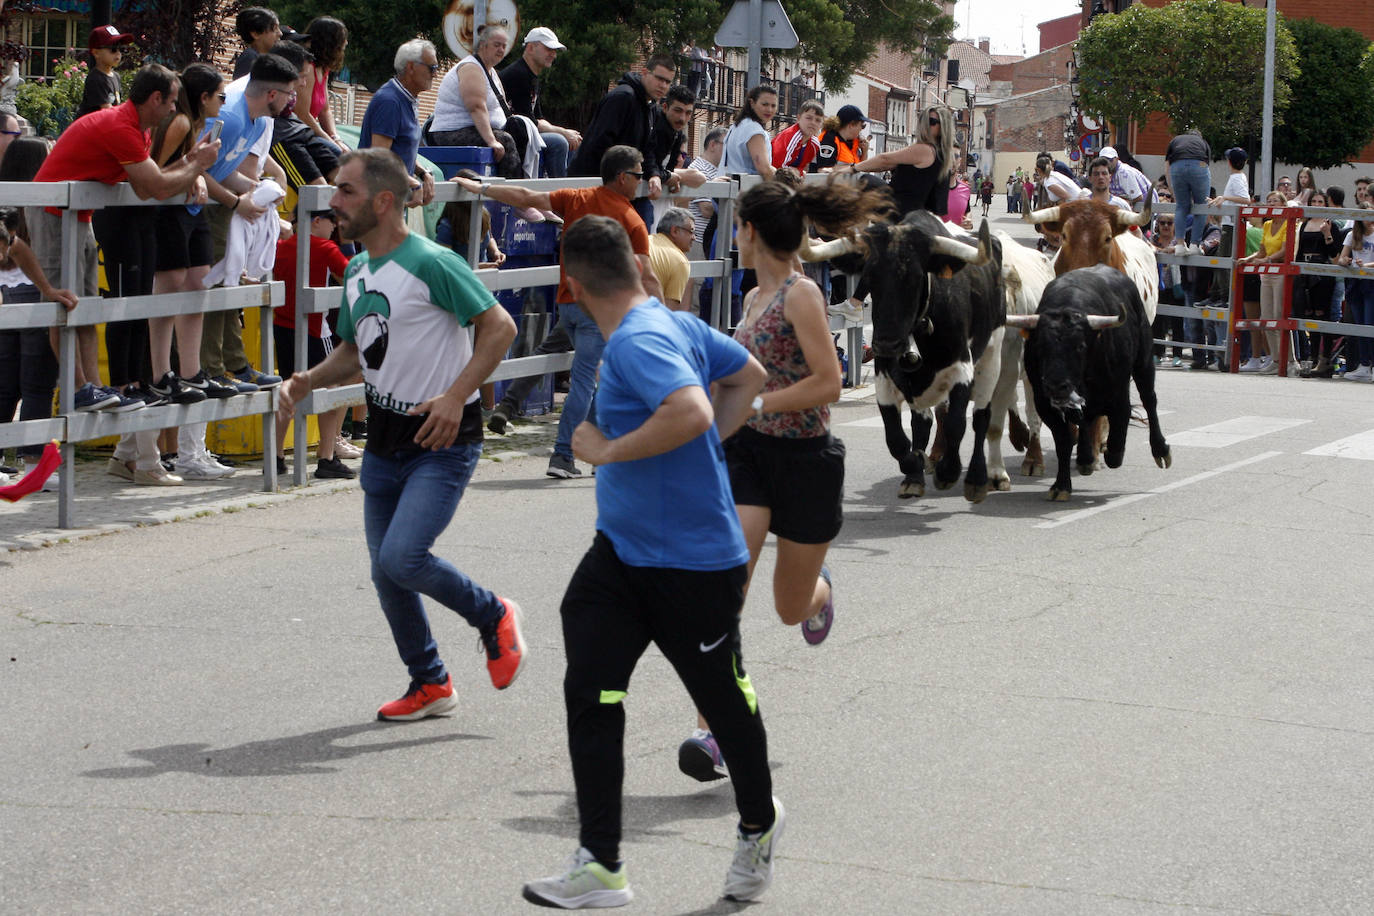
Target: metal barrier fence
{"points": [[70, 426], [1288, 268]]}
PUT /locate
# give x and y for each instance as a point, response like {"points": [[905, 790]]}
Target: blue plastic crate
{"points": [[450, 159]]}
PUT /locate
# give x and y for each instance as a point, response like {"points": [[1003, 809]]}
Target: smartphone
{"points": [[212, 132]]}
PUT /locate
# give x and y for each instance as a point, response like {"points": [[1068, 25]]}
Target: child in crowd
{"points": [[326, 260], [260, 31], [102, 86]]}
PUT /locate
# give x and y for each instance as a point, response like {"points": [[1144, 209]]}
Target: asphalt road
{"points": [[1154, 698]]}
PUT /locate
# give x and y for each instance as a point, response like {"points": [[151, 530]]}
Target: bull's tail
{"points": [[1017, 431]]}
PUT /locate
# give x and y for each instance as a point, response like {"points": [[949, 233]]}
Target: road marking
{"points": [[1230, 432], [1359, 446], [1137, 497]]}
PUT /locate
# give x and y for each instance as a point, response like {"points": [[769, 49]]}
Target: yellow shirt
{"points": [[1275, 233], [670, 265]]}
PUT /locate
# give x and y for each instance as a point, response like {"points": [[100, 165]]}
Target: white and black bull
{"points": [[938, 308], [1089, 338]]}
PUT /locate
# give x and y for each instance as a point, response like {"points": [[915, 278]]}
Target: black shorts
{"points": [[284, 339], [304, 155], [800, 480], [183, 239]]}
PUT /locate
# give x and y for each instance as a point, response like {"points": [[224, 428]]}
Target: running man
{"points": [[660, 474], [426, 420]]}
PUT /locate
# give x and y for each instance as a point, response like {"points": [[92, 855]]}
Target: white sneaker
{"points": [[1362, 374], [752, 870], [201, 466], [586, 883], [1269, 368], [345, 449], [1294, 368], [1253, 364], [848, 311]]}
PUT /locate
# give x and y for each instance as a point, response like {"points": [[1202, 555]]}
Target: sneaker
{"points": [[1361, 374], [91, 397], [505, 646], [253, 377], [817, 628], [220, 459], [586, 883], [169, 463], [699, 757], [752, 871], [421, 700], [1294, 368], [237, 386], [333, 469], [211, 388], [201, 467], [281, 467], [1253, 364], [148, 396], [499, 419], [345, 449], [562, 467], [848, 311], [359, 431], [127, 400], [171, 388], [118, 468], [156, 478], [1178, 362]]}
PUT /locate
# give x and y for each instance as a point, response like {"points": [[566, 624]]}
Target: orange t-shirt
{"points": [[574, 203]]}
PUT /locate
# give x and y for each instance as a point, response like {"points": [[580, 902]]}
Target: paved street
{"points": [[1154, 698]]}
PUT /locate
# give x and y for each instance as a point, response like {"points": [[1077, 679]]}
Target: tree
{"points": [[376, 29], [175, 32], [1194, 60], [1332, 119]]}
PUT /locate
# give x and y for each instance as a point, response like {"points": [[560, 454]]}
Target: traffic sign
{"points": [[1074, 155], [777, 31]]}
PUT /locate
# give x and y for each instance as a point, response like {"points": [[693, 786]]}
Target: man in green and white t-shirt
{"points": [[406, 305]]}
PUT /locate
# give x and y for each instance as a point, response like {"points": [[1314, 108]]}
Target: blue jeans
{"points": [[587, 346], [1359, 301], [555, 155], [408, 501], [1190, 180]]}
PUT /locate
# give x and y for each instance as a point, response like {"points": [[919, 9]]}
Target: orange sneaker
{"points": [[420, 701], [505, 646]]}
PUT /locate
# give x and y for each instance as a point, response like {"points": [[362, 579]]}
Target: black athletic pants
{"points": [[611, 612], [128, 239]]}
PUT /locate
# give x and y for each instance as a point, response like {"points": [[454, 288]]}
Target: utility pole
{"points": [[1267, 133]]}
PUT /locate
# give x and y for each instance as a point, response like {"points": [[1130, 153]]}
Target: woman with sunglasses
{"points": [[920, 172]]}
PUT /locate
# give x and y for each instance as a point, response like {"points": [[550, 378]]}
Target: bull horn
{"points": [[825, 251], [1047, 215], [953, 248], [1101, 322], [1024, 322], [1135, 219]]}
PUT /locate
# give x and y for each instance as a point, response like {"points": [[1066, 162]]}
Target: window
{"points": [[49, 37], [897, 116]]}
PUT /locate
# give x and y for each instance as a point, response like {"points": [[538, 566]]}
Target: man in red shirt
{"points": [[621, 174], [110, 146], [326, 260], [798, 145]]}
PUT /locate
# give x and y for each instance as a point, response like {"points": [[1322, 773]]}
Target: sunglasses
{"points": [[222, 97], [12, 133], [934, 119], [639, 175]]}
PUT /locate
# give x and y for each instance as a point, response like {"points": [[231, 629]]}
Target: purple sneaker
{"points": [[699, 757], [816, 629]]}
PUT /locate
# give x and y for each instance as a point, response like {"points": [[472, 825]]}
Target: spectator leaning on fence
{"points": [[407, 305], [747, 150], [621, 171], [1127, 182], [708, 164], [668, 249], [521, 82], [304, 157], [392, 120], [328, 39]]}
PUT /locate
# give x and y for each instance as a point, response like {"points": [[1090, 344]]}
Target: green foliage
{"points": [[375, 30], [1195, 60], [50, 104], [174, 32], [1332, 119]]}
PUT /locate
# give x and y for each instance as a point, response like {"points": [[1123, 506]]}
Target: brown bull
{"points": [[1089, 230]]}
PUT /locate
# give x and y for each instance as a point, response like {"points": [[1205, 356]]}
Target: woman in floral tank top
{"points": [[786, 470]]}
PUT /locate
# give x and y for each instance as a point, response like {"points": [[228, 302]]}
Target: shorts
{"points": [[45, 238], [183, 239], [284, 339], [304, 155], [1250, 288], [800, 480]]}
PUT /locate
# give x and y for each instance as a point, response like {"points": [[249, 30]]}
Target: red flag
{"points": [[33, 481]]}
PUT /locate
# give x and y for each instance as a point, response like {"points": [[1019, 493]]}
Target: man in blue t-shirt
{"points": [[668, 565], [392, 120]]}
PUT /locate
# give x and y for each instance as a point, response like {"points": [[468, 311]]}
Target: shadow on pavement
{"points": [[641, 815], [295, 755]]}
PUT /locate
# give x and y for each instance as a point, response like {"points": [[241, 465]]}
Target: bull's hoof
{"points": [[930, 464], [945, 484], [911, 488], [1001, 483], [975, 493], [1114, 460], [1032, 468], [1086, 470], [1165, 460], [1056, 495]]}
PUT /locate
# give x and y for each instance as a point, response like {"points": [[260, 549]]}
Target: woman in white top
{"points": [[747, 150], [471, 109], [1058, 186]]}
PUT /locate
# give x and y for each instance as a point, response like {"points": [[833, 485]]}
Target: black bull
{"points": [[1086, 342], [937, 328]]}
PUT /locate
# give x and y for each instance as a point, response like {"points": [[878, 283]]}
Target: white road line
{"points": [[1136, 497], [1231, 432], [1359, 446]]}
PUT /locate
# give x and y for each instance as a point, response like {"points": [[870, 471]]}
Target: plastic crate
{"points": [[530, 307], [450, 159]]}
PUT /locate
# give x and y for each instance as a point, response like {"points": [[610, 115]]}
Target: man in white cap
{"points": [[1128, 182], [521, 82]]}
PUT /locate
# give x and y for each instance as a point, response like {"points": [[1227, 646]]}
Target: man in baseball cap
{"points": [[1127, 182], [521, 82], [102, 86]]}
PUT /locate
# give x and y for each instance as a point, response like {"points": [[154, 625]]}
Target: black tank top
{"points": [[921, 189]]}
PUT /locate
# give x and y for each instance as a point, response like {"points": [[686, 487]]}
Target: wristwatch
{"points": [[757, 405]]}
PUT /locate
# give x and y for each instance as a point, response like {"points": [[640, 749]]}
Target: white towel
{"points": [[251, 248]]}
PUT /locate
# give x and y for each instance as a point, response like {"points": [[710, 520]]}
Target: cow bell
{"points": [[911, 358]]}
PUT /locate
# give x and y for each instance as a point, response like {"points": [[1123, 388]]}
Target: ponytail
{"points": [[779, 214]]}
